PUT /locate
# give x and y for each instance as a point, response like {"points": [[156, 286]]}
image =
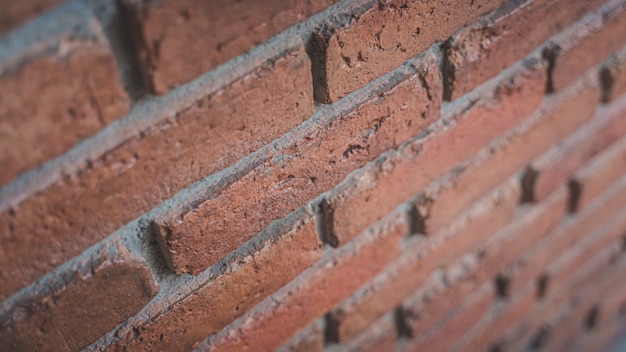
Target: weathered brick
{"points": [[423, 160], [411, 270], [73, 314], [208, 33], [224, 124], [244, 281], [561, 161], [383, 36], [586, 46], [317, 290], [309, 339], [394, 110], [480, 52], [15, 13], [78, 92], [599, 173]]}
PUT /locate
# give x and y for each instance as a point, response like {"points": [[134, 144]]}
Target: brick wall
{"points": [[312, 175]]}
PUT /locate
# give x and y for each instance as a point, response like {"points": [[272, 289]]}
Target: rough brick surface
{"points": [[113, 286], [316, 291], [309, 166], [15, 13], [208, 33], [613, 75], [590, 44], [421, 161], [222, 126], [478, 53], [384, 36], [78, 92], [232, 291]]}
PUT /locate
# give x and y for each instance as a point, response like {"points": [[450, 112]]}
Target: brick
{"points": [[611, 232], [70, 315], [209, 33], [530, 226], [533, 262], [466, 314], [374, 193], [78, 93], [412, 270], [317, 290], [559, 272], [379, 336], [478, 53], [587, 46], [309, 339], [16, 13], [244, 281], [599, 173], [59, 222], [393, 111], [561, 161], [383, 36]]}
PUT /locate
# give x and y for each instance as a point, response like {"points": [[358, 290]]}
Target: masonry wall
{"points": [[315, 175]]}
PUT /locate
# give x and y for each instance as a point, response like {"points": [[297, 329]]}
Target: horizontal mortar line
{"points": [[151, 111], [128, 232], [199, 190]]}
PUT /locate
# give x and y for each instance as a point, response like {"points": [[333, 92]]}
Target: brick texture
{"points": [[153, 166], [78, 92], [480, 52], [320, 175], [382, 37], [304, 169], [209, 33], [77, 312], [231, 292]]}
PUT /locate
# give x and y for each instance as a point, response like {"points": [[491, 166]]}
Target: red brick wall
{"points": [[312, 175]]}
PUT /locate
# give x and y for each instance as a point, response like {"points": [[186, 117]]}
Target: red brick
{"points": [[73, 314], [379, 336], [559, 163], [223, 125], [208, 33], [410, 271], [317, 290], [441, 336], [78, 93], [15, 13], [611, 232], [587, 46], [533, 262], [547, 311], [558, 272], [230, 292], [600, 172], [478, 53], [382, 37], [530, 226], [309, 339], [375, 192], [392, 112]]}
